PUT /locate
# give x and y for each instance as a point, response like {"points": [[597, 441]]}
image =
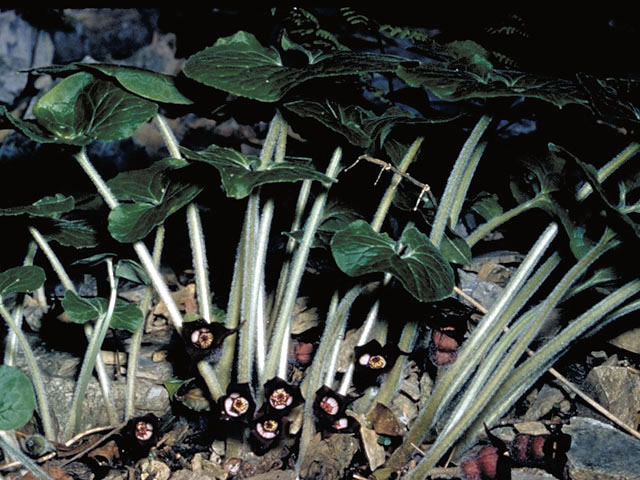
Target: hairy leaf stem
{"points": [[91, 354], [456, 178]]}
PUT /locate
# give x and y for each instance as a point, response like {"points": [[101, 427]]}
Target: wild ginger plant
{"points": [[249, 380]]}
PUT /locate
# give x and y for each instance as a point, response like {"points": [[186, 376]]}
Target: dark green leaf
{"points": [[81, 109], [144, 83], [157, 193], [460, 84], [487, 206], [240, 174], [29, 129], [18, 400], [413, 260], [45, 207], [239, 64], [21, 279], [455, 249], [132, 271], [126, 315], [72, 233]]}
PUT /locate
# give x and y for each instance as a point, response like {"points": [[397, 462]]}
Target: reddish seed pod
{"points": [[482, 466], [303, 352]]}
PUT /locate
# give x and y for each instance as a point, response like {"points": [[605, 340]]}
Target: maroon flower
{"points": [[237, 406], [267, 429], [138, 436], [329, 408], [281, 397], [203, 340], [372, 360]]}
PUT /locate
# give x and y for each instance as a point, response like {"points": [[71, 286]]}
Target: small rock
{"points": [[618, 390], [600, 451], [329, 458], [629, 341], [548, 399]]}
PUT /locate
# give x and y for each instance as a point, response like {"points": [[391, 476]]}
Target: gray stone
{"points": [[618, 390], [629, 340], [600, 451], [21, 47]]}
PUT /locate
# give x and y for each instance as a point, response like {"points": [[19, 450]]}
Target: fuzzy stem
{"points": [[521, 379], [498, 363], [297, 269], [606, 170], [471, 353], [467, 176], [247, 329], [91, 354], [65, 280], [334, 328], [36, 376], [199, 254], [385, 203], [495, 222], [11, 344], [136, 338], [18, 454], [225, 363], [139, 247], [455, 179]]}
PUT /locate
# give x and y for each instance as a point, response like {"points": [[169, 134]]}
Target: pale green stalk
{"points": [[385, 203], [11, 344], [471, 354], [606, 170], [334, 328], [65, 280], [140, 248], [93, 351], [136, 338], [523, 377], [196, 235], [455, 179], [461, 193], [36, 375], [497, 365], [297, 269], [7, 445], [484, 229]]}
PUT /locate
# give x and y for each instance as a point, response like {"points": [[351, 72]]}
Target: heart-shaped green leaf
{"points": [[145, 83], [240, 175], [45, 207], [360, 127], [157, 195], [455, 84], [18, 399], [239, 64], [21, 279], [82, 108], [126, 315], [413, 260]]}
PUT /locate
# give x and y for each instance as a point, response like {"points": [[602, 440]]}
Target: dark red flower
{"points": [[238, 405], [281, 397], [203, 340], [448, 320], [138, 436], [547, 451], [267, 429], [329, 408], [372, 360]]}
